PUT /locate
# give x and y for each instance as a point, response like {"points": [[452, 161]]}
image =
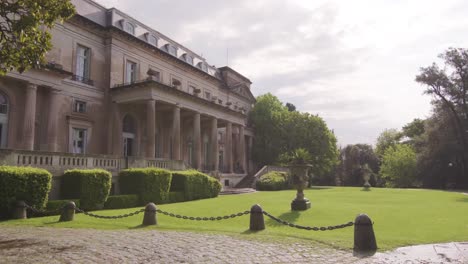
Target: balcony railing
{"points": [[57, 163]]}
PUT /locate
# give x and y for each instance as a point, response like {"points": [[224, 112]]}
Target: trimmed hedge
{"points": [[195, 185], [273, 181], [92, 187], [122, 201], [31, 185], [176, 197], [151, 184]]}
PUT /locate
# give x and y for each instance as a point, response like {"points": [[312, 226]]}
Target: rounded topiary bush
{"points": [[272, 181], [151, 184], [195, 185], [92, 187], [28, 184]]}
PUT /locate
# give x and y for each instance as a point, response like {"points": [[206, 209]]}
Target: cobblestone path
{"points": [[55, 245]]}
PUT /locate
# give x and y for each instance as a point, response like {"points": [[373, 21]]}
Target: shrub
{"points": [[195, 185], [59, 204], [31, 185], [272, 181], [176, 197], [90, 186], [122, 201], [399, 166], [151, 184]]}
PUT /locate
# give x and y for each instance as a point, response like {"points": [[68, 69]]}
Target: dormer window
{"points": [[188, 58], [202, 66], [171, 49], [152, 40], [129, 28]]}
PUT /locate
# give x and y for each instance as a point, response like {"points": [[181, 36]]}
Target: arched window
{"points": [[4, 108], [188, 59], [202, 66], [129, 28], [171, 49], [153, 40]]}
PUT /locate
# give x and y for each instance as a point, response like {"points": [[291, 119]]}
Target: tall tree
{"points": [[449, 85], [388, 138], [24, 39], [291, 107], [399, 166]]}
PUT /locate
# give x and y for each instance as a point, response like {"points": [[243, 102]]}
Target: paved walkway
{"points": [[55, 245]]}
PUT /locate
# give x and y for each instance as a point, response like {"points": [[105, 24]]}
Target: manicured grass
{"points": [[401, 216]]}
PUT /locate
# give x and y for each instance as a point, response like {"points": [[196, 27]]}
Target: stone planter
{"points": [[300, 180]]}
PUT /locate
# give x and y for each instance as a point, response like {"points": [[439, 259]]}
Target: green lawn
{"points": [[401, 216]]}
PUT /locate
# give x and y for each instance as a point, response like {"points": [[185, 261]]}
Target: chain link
{"points": [[36, 211], [216, 218], [111, 216], [314, 228]]}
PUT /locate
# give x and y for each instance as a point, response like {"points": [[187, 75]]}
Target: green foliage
{"points": [[22, 40], [353, 159], [297, 156], [272, 181], [279, 131], [122, 201], [90, 186], [195, 185], [176, 197], [53, 205], [388, 138], [151, 184], [31, 185], [399, 166]]}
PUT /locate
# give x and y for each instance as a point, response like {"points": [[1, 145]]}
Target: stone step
{"points": [[237, 191]]}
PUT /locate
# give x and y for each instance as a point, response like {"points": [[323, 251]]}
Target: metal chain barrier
{"points": [[202, 218], [109, 217], [36, 211], [314, 228]]}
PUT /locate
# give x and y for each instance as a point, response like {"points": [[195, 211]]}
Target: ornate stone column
{"points": [[151, 128], [228, 148], [52, 133], [29, 116], [242, 148], [214, 144], [197, 151], [176, 133]]}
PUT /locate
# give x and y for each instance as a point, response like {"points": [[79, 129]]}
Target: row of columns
{"points": [[30, 118], [197, 144]]}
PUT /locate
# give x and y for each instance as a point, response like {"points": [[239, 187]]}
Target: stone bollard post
{"points": [[150, 215], [68, 212], [19, 212], [364, 237], [256, 218]]}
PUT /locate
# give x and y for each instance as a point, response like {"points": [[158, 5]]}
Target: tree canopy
{"points": [[279, 131], [24, 39], [399, 166], [388, 138]]}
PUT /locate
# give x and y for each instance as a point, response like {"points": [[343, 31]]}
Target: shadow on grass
{"points": [[464, 199], [290, 217], [366, 189]]}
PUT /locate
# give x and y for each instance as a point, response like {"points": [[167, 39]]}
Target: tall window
{"points": [[3, 120], [128, 133], [79, 106], [131, 72], [83, 58], [79, 140], [129, 28]]}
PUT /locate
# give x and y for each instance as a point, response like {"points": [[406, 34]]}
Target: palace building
{"points": [[115, 94]]}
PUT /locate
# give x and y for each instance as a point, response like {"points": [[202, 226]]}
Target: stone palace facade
{"points": [[116, 93]]}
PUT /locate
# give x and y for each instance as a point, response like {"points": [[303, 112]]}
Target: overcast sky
{"points": [[351, 62]]}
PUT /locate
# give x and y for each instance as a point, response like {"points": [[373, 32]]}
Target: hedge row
{"points": [[91, 187], [23, 183], [122, 201], [151, 184], [273, 181], [195, 185]]}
